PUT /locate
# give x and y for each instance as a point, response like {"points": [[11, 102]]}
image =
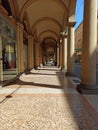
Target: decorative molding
{"points": [[72, 24]]}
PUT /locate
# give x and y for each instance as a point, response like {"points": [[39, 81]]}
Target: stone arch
{"points": [[48, 33], [28, 3], [44, 19], [26, 23]]}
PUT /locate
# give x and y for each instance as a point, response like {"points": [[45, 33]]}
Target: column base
{"points": [[58, 66], [70, 74], [36, 67], [64, 69], [87, 89], [41, 65]]}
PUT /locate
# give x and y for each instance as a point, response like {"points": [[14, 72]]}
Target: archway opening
{"points": [[49, 52]]}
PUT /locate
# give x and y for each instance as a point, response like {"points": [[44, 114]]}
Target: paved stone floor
{"points": [[45, 99]]}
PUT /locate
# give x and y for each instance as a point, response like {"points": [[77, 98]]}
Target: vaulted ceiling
{"points": [[44, 18]]}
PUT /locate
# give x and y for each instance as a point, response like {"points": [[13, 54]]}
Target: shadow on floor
{"points": [[78, 109], [75, 101]]}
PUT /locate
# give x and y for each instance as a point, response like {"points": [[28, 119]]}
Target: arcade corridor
{"points": [[44, 99], [37, 40]]}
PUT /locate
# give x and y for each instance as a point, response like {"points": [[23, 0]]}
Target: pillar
{"points": [[55, 54], [88, 71], [40, 55], [65, 53], [30, 52], [58, 61], [20, 47], [60, 53], [70, 48], [36, 54], [1, 61]]}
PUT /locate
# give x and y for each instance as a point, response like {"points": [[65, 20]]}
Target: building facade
{"points": [[79, 41]]}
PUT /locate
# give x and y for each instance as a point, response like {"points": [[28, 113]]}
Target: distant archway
{"points": [[48, 49]]}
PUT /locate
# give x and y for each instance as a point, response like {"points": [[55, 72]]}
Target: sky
{"points": [[79, 12]]}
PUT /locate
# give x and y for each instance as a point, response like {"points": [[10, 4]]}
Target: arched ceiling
{"points": [[50, 40], [47, 34], [49, 44], [47, 25], [43, 15]]}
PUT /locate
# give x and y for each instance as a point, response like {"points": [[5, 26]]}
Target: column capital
{"points": [[71, 24], [64, 36], [20, 25], [30, 36], [25, 34]]}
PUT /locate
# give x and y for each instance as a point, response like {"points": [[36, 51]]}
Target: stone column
{"points": [[36, 54], [89, 48], [1, 61], [60, 53], [70, 48], [20, 47], [58, 61], [40, 55], [55, 54], [65, 54], [30, 52]]}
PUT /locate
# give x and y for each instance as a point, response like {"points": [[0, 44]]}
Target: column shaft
{"points": [[70, 50], [40, 55], [30, 53], [36, 54], [20, 47], [89, 43], [65, 53], [1, 61], [58, 61], [88, 84], [60, 53]]}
